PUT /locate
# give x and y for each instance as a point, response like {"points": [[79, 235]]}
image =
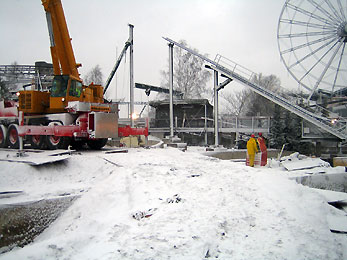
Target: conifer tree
{"points": [[277, 137], [292, 130]]}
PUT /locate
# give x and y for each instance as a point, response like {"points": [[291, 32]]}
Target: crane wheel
{"points": [[37, 141], [13, 137], [57, 142], [53, 142], [3, 133]]}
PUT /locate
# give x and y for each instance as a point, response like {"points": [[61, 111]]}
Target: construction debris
{"points": [[36, 157]]}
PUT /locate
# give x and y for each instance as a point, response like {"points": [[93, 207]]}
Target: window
{"points": [[59, 86], [75, 88]]}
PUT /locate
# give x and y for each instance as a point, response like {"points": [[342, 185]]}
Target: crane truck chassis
{"points": [[69, 113], [84, 122]]}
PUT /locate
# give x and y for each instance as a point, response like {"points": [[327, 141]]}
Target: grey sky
{"points": [[241, 30]]}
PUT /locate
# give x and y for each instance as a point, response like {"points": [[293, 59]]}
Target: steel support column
{"points": [[132, 85], [216, 143], [171, 87], [206, 141]]}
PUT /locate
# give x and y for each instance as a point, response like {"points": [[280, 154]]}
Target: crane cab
{"points": [[66, 88]]}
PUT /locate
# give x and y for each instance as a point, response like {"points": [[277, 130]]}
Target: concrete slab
{"points": [[308, 163], [332, 196], [334, 182]]}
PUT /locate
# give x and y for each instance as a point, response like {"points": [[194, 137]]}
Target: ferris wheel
{"points": [[312, 36]]}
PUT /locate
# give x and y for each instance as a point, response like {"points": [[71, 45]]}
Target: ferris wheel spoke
{"points": [[342, 12], [326, 67], [307, 24], [319, 60], [314, 52], [338, 66], [312, 15], [333, 9], [306, 44], [332, 16], [306, 34]]}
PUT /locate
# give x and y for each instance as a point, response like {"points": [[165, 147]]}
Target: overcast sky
{"points": [[244, 31]]}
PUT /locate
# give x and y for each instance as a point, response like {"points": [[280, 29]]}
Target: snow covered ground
{"points": [[169, 204]]}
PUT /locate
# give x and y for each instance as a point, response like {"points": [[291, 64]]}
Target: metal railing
{"points": [[226, 124]]}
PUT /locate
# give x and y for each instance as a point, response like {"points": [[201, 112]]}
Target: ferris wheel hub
{"points": [[342, 31]]}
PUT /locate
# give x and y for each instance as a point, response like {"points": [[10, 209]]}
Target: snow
{"points": [[169, 204], [337, 223]]}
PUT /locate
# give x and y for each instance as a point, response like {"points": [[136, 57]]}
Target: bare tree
{"points": [[270, 82], [236, 102], [9, 82], [4, 90], [247, 102], [259, 105], [190, 77], [94, 76]]}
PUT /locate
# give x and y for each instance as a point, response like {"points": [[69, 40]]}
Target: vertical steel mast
{"points": [[171, 87], [132, 85]]}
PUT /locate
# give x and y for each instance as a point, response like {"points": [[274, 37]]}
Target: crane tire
{"points": [[57, 142], [3, 136], [53, 142], [37, 141], [12, 136]]}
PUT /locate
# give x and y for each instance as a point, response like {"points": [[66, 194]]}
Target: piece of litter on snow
{"points": [[117, 151], [194, 175], [116, 164], [175, 199], [143, 214]]}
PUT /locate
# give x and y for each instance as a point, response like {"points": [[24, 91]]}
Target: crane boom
{"points": [[110, 77], [63, 57]]}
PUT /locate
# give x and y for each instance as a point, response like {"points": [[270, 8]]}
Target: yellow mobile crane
{"points": [[70, 113], [67, 84]]}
